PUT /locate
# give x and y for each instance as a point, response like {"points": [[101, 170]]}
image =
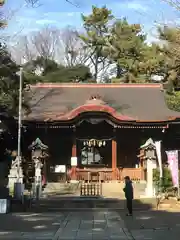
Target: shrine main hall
{"points": [[99, 128]]}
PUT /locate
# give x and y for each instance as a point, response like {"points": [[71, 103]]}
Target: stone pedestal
{"points": [[18, 190], [38, 178], [4, 206], [13, 177], [149, 187]]}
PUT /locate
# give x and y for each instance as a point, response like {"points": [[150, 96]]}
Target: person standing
{"points": [[128, 190]]}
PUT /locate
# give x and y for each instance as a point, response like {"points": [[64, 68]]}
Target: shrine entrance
{"points": [[95, 151], [93, 159], [92, 152], [90, 156]]}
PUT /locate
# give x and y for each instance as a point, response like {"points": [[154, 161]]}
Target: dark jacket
{"points": [[128, 190]]}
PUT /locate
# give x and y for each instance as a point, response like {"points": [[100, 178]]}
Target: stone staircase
{"points": [[65, 196], [113, 190], [54, 188], [58, 204]]}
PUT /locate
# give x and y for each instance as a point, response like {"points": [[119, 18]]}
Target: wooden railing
{"points": [[107, 175], [91, 189], [136, 174], [101, 175]]}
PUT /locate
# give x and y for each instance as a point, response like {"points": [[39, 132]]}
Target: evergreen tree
{"points": [[171, 53], [96, 27], [9, 83], [64, 74], [46, 70], [125, 48], [153, 61]]}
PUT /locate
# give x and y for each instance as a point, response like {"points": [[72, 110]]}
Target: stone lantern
{"points": [[39, 150], [39, 153], [149, 164]]}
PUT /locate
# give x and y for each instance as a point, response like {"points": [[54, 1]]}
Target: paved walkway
{"points": [[153, 225], [161, 234], [87, 225], [96, 224], [100, 225], [30, 225]]}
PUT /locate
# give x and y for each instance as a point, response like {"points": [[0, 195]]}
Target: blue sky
{"points": [[59, 13]]}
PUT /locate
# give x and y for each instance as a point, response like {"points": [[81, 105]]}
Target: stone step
{"points": [[109, 190], [60, 187], [60, 204]]}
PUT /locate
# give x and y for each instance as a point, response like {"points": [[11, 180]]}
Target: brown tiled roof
{"points": [[123, 101]]}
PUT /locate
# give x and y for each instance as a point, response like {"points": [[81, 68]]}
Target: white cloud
{"points": [[137, 6], [58, 15], [126, 6], [45, 21], [71, 14]]}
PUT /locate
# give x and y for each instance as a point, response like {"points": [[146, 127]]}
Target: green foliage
{"points": [[170, 51], [9, 83], [153, 60], [50, 71], [125, 45], [166, 181], [3, 22], [47, 65], [141, 78], [96, 26], [2, 2], [173, 101], [32, 78], [68, 74]]}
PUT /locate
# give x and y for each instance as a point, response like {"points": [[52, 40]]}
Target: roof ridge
{"points": [[96, 85]]}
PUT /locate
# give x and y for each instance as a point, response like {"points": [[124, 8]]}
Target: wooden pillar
{"points": [[74, 154], [74, 149], [114, 159]]}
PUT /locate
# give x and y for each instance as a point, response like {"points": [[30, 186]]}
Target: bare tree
{"points": [[35, 3], [63, 46], [46, 42], [23, 50], [74, 50], [173, 3]]}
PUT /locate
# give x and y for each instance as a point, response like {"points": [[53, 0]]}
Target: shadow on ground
{"points": [[47, 214]]}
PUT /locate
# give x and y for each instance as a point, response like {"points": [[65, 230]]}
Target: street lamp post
{"points": [[19, 125], [18, 186]]}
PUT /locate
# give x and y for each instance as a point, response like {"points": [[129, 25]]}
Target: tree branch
{"points": [[36, 3], [173, 3]]}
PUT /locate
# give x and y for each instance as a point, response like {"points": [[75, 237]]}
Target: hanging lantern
{"points": [[100, 143], [14, 153], [94, 142], [89, 143], [104, 143], [84, 143]]}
